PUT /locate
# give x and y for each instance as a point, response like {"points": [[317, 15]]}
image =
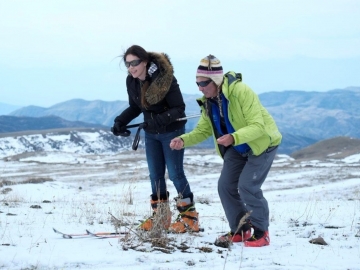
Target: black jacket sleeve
{"points": [[130, 112], [176, 105]]}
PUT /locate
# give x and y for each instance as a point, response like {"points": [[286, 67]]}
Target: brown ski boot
{"points": [[188, 218]]}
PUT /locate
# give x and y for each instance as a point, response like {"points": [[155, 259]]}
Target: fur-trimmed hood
{"points": [[161, 83]]}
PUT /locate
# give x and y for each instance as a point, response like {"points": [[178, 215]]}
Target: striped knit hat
{"points": [[210, 67]]}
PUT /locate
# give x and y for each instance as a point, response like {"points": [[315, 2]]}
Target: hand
{"points": [[120, 130], [226, 140], [118, 127], [177, 144]]}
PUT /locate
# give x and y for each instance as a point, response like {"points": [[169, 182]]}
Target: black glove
{"points": [[120, 130], [118, 119]]}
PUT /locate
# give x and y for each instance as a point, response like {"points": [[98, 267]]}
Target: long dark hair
{"points": [[137, 51], [143, 55]]}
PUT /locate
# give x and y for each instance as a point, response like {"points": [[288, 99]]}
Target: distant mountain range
{"points": [[10, 124], [7, 108], [304, 118], [317, 115], [96, 111]]}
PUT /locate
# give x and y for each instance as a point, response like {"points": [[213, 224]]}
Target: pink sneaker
{"points": [[261, 242]]}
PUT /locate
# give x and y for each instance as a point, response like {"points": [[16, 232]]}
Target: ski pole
{"points": [[134, 125], [129, 126], [142, 125], [179, 119], [188, 117]]}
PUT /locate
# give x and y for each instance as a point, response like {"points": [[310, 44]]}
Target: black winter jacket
{"points": [[163, 96]]}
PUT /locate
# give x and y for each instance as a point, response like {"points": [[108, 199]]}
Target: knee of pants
{"points": [[227, 190], [245, 190], [243, 187], [250, 192]]}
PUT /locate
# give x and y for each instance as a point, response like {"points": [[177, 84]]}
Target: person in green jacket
{"points": [[247, 138]]}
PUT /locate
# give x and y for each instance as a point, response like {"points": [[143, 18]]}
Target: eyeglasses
{"points": [[133, 63], [203, 83]]}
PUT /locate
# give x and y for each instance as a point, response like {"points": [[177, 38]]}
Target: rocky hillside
{"points": [[334, 148], [74, 140]]}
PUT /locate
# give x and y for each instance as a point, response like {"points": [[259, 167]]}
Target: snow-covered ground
{"points": [[74, 192]]}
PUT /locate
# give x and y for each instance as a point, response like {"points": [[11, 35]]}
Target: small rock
{"points": [[318, 241], [6, 190], [222, 243]]}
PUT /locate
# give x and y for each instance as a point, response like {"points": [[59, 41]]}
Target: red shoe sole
{"points": [[236, 238]]}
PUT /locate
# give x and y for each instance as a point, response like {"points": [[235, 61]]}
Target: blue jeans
{"points": [[160, 156]]}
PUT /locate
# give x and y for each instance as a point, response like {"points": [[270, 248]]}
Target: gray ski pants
{"points": [[239, 187]]}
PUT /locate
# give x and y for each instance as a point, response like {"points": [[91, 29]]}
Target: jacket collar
{"points": [[161, 80]]}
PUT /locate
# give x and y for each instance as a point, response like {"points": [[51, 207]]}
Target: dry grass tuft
{"points": [[160, 219]]}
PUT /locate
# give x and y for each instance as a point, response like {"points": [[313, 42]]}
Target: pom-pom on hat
{"points": [[210, 67]]}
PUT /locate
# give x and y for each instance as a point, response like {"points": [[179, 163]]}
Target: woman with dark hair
{"points": [[153, 91]]}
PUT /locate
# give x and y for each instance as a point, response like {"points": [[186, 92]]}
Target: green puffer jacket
{"points": [[252, 122]]}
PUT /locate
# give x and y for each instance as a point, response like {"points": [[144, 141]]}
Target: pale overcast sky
{"points": [[53, 51]]}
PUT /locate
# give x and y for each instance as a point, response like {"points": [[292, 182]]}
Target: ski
{"points": [[106, 234], [71, 235], [88, 234]]}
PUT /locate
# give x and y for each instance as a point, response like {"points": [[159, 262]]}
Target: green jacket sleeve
{"points": [[200, 133]]}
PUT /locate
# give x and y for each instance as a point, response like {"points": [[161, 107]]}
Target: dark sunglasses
{"points": [[133, 63], [203, 83]]}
